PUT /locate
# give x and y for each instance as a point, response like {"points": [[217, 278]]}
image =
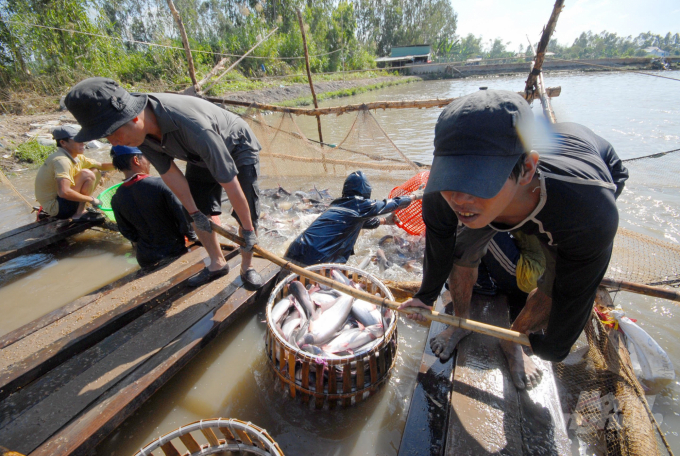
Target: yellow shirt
{"points": [[531, 262], [59, 165]]}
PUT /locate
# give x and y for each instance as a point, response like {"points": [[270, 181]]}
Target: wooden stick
{"points": [[545, 100], [238, 61], [185, 42], [436, 103], [639, 288], [540, 51], [309, 72], [475, 326]]}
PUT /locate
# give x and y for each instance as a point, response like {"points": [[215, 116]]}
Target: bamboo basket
{"points": [[240, 438], [346, 379]]}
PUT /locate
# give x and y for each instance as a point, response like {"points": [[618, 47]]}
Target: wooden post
{"points": [[185, 42], [545, 99], [542, 46], [309, 73]]}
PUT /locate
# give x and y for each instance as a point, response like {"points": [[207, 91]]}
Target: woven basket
{"points": [[346, 379], [105, 198]]}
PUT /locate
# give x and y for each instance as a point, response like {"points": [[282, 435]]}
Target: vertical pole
{"points": [[545, 99], [309, 73], [541, 48], [185, 42]]}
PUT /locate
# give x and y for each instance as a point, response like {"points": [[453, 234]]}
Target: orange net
{"points": [[411, 218]]}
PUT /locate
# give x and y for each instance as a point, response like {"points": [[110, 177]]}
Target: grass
{"points": [[33, 152], [306, 101]]}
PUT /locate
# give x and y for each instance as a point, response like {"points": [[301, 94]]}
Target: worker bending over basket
{"points": [[331, 237], [220, 150], [147, 212], [486, 176]]}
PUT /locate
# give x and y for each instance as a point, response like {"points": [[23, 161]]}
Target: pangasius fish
{"points": [[327, 324]]}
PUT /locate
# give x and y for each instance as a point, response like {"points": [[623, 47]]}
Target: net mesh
{"points": [[604, 401], [643, 259]]}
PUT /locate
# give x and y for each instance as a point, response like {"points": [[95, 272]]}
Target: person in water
{"points": [[487, 176], [66, 180], [219, 147], [331, 237], [148, 214]]}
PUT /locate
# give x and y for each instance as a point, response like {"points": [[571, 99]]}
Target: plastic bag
{"points": [[651, 364]]}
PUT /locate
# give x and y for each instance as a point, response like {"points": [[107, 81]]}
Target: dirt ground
{"points": [[13, 128]]}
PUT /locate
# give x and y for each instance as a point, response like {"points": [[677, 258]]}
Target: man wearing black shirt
{"points": [[147, 212], [486, 177]]}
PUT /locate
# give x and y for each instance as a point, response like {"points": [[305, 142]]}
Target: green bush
{"points": [[33, 152]]}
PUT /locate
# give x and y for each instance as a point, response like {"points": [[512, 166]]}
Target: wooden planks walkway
{"points": [[75, 405], [29, 238]]}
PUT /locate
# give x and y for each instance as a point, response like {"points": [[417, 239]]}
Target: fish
{"points": [[354, 339], [324, 300], [383, 264], [366, 313], [289, 326], [340, 277], [279, 309], [364, 262], [300, 308], [328, 323], [300, 293]]}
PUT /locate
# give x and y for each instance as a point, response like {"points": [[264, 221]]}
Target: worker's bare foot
{"points": [[524, 373], [445, 342]]}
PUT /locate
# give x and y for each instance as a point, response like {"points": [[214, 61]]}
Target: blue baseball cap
{"points": [[117, 151]]}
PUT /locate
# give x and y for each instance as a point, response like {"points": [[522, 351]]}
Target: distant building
{"points": [[656, 51], [407, 55]]}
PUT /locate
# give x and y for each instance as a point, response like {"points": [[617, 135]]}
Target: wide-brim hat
{"points": [[478, 139], [101, 107]]}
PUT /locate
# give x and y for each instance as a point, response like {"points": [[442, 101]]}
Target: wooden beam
{"points": [[309, 72], [185, 42], [436, 103], [529, 88], [641, 289], [545, 99]]}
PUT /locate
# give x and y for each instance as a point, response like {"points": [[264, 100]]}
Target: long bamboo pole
{"points": [[239, 60], [185, 42], [408, 104], [639, 288], [541, 48], [475, 326], [309, 72]]}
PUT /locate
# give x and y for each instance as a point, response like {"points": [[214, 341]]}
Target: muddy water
{"points": [[230, 377]]}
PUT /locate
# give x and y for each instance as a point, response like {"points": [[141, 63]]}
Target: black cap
{"points": [[477, 141], [101, 107], [64, 132]]}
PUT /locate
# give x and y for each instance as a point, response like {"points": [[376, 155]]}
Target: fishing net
{"points": [[604, 402], [643, 259], [287, 153]]}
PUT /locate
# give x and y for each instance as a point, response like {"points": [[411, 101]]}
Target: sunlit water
{"points": [[230, 378]]}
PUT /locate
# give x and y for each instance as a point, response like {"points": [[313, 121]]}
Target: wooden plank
{"points": [[81, 434], [487, 413], [425, 429], [38, 235], [32, 356]]}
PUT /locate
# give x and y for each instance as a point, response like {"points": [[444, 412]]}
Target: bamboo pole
{"points": [[475, 326], [309, 72], [407, 104], [185, 42], [239, 60], [545, 99], [540, 50], [639, 288]]}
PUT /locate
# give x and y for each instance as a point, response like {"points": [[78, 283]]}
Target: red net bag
{"points": [[411, 218]]}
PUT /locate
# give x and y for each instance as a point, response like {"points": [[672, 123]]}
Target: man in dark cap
{"points": [[66, 180], [146, 211], [220, 150], [487, 176], [331, 237]]}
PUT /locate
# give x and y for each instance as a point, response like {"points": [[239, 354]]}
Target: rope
{"points": [[615, 69], [657, 155], [6, 181], [128, 40]]}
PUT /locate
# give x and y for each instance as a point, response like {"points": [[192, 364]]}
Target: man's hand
{"points": [[96, 202], [415, 302], [202, 221], [251, 239], [418, 194]]}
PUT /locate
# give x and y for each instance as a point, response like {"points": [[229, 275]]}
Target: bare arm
{"points": [[106, 167], [65, 191], [174, 179], [238, 202]]}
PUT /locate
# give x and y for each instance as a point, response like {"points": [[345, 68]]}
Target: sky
{"points": [[513, 20]]}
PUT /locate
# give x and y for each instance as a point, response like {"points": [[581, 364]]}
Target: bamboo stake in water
{"points": [[475, 326]]}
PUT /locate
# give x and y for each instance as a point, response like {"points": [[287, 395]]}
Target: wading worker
{"points": [[220, 150], [147, 212], [486, 177], [66, 180], [331, 237]]}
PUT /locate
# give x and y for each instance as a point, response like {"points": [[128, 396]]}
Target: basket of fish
{"points": [[327, 345]]}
